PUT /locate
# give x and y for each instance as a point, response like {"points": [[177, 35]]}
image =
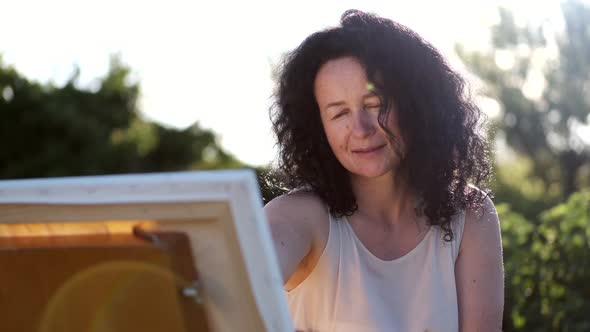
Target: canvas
{"points": [[180, 251]]}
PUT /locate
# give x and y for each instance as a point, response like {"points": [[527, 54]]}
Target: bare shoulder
{"points": [[302, 207], [481, 224], [300, 215], [479, 270], [299, 225]]}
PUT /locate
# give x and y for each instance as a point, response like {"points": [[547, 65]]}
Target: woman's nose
{"points": [[363, 124]]}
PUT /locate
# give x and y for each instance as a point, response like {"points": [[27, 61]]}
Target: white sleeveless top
{"points": [[351, 290]]}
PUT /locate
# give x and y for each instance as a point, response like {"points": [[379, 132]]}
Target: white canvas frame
{"points": [[174, 199]]}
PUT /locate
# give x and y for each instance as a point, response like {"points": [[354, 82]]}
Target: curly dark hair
{"points": [[439, 124]]}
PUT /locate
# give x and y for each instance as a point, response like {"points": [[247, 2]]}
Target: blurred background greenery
{"points": [[541, 160], [543, 188]]}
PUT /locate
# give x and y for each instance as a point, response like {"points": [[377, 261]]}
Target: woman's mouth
{"points": [[369, 151]]}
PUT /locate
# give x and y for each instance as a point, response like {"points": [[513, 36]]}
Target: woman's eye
{"points": [[373, 106], [338, 115]]}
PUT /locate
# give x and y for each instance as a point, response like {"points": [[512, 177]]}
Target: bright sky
{"points": [[210, 61]]}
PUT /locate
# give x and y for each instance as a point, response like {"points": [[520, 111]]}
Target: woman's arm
{"points": [[479, 271], [292, 218]]}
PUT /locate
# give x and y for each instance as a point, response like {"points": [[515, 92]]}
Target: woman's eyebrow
{"points": [[340, 103], [369, 95], [336, 103]]}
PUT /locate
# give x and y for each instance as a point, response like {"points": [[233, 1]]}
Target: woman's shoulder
{"points": [[481, 224], [481, 208], [478, 270], [302, 216], [477, 220], [300, 204]]}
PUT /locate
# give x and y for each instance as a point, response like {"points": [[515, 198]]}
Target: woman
{"points": [[389, 226]]}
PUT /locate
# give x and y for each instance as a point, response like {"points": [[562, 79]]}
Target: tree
{"points": [[65, 131], [542, 127]]}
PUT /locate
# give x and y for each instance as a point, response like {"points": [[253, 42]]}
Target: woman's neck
{"points": [[384, 199]]}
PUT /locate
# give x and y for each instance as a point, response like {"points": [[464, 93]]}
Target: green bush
{"points": [[547, 267]]}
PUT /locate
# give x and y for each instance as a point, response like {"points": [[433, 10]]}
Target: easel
{"points": [[164, 252]]}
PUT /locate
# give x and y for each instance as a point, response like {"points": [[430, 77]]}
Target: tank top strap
{"points": [[341, 237], [457, 225]]}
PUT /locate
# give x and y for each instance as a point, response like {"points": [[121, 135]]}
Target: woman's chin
{"points": [[371, 173]]}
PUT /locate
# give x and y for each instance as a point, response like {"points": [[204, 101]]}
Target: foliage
{"points": [[526, 194], [547, 267], [66, 131], [541, 78]]}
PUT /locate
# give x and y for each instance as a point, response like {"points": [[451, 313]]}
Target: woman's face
{"points": [[349, 113]]}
